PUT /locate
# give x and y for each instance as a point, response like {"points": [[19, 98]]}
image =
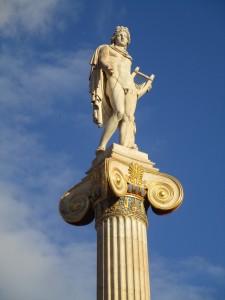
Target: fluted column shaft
{"points": [[122, 254]]}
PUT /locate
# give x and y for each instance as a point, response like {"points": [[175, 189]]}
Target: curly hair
{"points": [[117, 31]]}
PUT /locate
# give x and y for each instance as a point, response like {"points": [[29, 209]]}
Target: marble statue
{"points": [[114, 93]]}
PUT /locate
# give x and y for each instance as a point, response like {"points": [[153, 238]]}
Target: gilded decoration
{"points": [[117, 182], [135, 174], [164, 196], [122, 206], [118, 187], [126, 180], [164, 193]]}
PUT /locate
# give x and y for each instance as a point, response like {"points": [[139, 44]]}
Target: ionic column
{"points": [[117, 191]]}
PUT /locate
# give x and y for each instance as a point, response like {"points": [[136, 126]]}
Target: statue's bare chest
{"points": [[119, 60]]}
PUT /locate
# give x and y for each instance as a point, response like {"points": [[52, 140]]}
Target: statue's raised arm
{"points": [[114, 93]]}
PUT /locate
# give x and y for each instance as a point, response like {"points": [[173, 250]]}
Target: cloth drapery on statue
{"points": [[101, 105], [102, 109]]}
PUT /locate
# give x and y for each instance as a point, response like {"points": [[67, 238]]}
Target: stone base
{"points": [[124, 154]]}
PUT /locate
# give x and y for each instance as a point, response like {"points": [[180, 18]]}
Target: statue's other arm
{"points": [[104, 60]]}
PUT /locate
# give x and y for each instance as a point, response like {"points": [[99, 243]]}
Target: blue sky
{"points": [[48, 141]]}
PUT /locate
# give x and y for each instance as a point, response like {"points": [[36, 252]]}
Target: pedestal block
{"points": [[117, 191]]}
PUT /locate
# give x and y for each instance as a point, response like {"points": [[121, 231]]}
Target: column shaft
{"points": [[122, 262]]}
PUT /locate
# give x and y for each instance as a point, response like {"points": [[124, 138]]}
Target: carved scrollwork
{"points": [[164, 197], [76, 209], [135, 174], [117, 182], [123, 180]]}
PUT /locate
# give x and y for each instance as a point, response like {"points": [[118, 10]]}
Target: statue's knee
{"points": [[120, 115], [131, 119], [125, 118]]}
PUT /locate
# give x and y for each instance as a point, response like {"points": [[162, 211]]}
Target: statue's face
{"points": [[121, 39]]}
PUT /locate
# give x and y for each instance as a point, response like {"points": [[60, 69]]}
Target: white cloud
{"points": [[34, 176], [38, 257], [33, 267], [191, 279], [41, 268], [34, 87], [36, 16], [37, 261], [201, 266], [37, 83]]}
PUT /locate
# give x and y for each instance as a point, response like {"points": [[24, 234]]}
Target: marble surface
{"points": [[114, 93], [122, 260]]}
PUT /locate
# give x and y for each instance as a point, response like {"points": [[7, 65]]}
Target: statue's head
{"points": [[120, 32]]}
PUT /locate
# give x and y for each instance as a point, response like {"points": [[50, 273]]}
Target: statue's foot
{"points": [[134, 147], [99, 150]]}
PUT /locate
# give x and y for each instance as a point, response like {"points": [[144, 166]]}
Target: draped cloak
{"points": [[102, 109]]}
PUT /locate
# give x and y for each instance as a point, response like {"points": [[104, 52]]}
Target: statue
{"points": [[114, 93]]}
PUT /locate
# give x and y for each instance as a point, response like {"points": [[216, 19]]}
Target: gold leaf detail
{"points": [[135, 174], [117, 182], [161, 196]]}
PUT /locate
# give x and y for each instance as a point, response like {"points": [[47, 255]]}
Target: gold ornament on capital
{"points": [[117, 182]]}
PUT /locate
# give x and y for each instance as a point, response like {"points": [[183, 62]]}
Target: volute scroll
{"points": [[163, 192], [165, 195], [75, 206]]}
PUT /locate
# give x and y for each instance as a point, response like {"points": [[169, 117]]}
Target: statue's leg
{"points": [[130, 104], [116, 95], [124, 131], [128, 128]]}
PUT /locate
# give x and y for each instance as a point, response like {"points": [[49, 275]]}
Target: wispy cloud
{"points": [[41, 269], [34, 266], [37, 16], [32, 179], [191, 279], [39, 257], [32, 82], [33, 88]]}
